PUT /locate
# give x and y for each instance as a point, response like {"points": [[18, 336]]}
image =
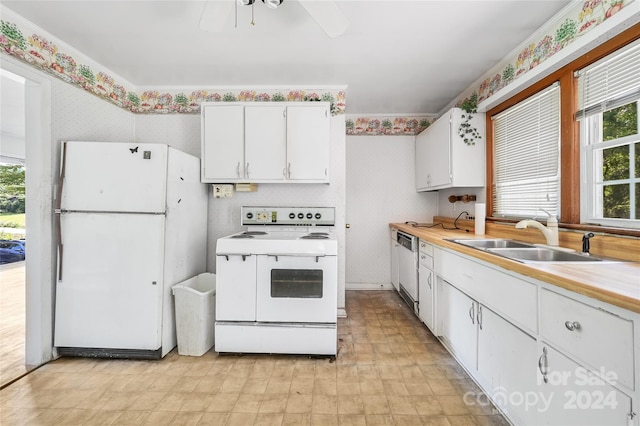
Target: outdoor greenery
{"points": [[616, 164], [12, 189]]}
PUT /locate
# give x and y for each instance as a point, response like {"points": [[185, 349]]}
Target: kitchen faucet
{"points": [[550, 232]]}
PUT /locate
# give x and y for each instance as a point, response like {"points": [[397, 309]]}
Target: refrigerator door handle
{"points": [[58, 210]]}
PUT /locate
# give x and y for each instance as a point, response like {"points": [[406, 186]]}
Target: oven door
{"points": [[297, 288]]}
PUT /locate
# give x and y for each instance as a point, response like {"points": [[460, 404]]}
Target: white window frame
{"points": [[609, 83], [592, 146]]}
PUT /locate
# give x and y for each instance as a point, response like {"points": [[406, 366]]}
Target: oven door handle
{"points": [[226, 255], [316, 255]]}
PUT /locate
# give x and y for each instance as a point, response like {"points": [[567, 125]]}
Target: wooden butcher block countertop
{"points": [[616, 283]]}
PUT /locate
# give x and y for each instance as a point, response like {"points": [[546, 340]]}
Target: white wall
{"points": [[447, 209], [380, 190]]}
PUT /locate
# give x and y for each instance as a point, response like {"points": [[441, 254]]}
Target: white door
{"points": [[308, 142], [222, 142], [114, 177], [265, 141], [109, 290], [297, 289], [507, 365], [235, 287], [425, 296], [576, 396], [458, 326]]}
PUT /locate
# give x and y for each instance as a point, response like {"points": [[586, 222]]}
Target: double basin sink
{"points": [[524, 252]]}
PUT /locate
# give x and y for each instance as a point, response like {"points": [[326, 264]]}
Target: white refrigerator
{"points": [[132, 222]]}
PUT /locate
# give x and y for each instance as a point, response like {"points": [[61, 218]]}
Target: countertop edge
{"points": [[541, 272]]}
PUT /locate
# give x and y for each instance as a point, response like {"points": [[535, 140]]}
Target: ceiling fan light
{"points": [[246, 2], [273, 4]]}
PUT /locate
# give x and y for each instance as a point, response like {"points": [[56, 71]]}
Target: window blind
{"points": [[527, 157], [609, 83]]}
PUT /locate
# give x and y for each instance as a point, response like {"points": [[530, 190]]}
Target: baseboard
{"points": [[369, 286]]}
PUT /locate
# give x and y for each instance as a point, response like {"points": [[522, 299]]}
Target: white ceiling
{"points": [[397, 57]]}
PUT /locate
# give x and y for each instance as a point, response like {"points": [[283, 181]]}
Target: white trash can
{"points": [[195, 314]]}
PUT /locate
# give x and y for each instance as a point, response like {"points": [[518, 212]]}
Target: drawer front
{"points": [[426, 248], [426, 260], [600, 340], [505, 294]]}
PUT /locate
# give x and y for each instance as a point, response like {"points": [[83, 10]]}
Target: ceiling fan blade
{"points": [[215, 15], [328, 15]]}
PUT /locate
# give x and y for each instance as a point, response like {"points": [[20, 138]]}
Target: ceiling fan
{"points": [[325, 12]]}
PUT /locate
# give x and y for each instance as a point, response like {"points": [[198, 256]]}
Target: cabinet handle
{"points": [[247, 170], [289, 170], [238, 169], [429, 280], [325, 172], [284, 172], [572, 325], [471, 313], [480, 316], [543, 365]]}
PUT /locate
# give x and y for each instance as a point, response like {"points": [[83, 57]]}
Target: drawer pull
{"points": [[572, 325], [543, 365], [471, 314]]}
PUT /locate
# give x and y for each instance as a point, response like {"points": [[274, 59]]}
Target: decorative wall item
{"points": [[386, 125], [553, 37], [43, 53]]}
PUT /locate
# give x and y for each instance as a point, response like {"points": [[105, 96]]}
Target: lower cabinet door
{"points": [[458, 320], [425, 296], [571, 395], [507, 366]]}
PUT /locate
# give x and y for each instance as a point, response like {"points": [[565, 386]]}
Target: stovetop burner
{"points": [[254, 233]]}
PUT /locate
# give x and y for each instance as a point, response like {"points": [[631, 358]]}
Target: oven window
{"points": [[296, 283]]}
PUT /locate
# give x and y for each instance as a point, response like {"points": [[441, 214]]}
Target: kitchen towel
{"points": [[480, 217]]}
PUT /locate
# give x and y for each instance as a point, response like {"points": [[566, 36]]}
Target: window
{"points": [[526, 154], [609, 93]]}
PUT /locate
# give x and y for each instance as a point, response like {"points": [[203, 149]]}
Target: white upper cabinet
{"points": [[308, 135], [222, 142], [446, 160], [268, 142], [265, 142]]}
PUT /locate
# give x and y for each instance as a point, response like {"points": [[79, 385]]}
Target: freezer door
{"points": [[113, 177], [110, 293]]}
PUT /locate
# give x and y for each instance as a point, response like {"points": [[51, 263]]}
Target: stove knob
{"points": [[292, 215], [249, 215], [318, 215], [309, 215], [300, 215]]}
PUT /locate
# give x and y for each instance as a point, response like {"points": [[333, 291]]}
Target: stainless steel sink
{"points": [[492, 243], [541, 254], [525, 252]]}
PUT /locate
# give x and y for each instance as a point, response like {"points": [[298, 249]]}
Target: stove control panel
{"points": [[302, 216]]}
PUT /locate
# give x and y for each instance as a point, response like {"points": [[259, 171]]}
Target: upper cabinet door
{"points": [[265, 139], [308, 142], [222, 142]]}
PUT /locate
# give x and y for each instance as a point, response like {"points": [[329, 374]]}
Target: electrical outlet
{"points": [[470, 217], [222, 191]]}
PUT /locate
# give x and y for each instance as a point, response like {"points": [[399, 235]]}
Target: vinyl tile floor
{"points": [[390, 370]]}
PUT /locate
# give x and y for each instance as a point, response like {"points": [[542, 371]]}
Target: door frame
{"points": [[41, 254]]}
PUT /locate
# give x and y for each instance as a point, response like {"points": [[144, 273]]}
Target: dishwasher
{"points": [[408, 269]]}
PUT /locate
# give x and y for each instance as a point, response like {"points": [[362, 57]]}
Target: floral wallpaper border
{"points": [[45, 55], [578, 21], [387, 125]]}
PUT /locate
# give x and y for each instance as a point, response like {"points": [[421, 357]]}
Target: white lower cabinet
{"points": [[571, 395], [457, 324], [507, 366], [426, 285], [543, 355]]}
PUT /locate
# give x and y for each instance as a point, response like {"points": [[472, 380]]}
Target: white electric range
{"points": [[277, 283]]}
